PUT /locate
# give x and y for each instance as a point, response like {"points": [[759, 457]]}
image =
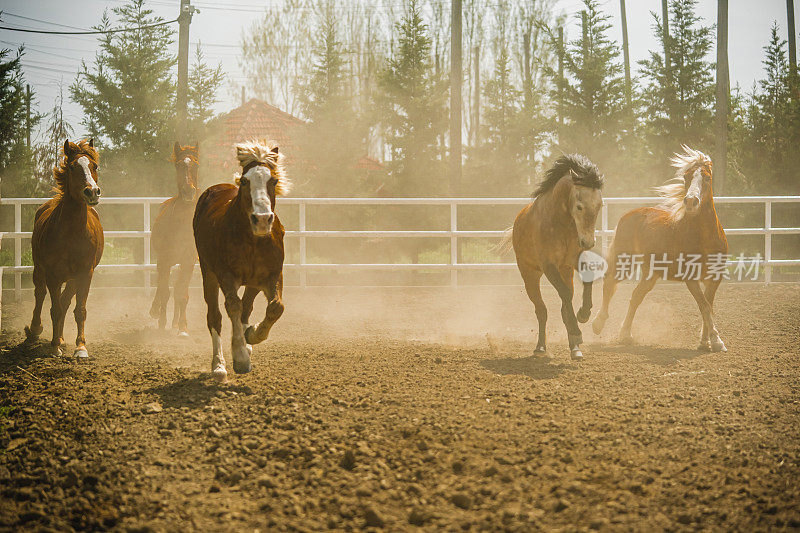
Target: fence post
{"points": [[453, 243], [17, 251], [767, 241], [303, 278], [146, 208], [604, 226]]}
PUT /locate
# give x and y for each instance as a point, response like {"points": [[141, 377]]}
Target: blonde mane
{"points": [[261, 151], [673, 192]]}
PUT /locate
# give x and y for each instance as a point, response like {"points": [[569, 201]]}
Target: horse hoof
{"points": [[184, 334], [220, 374], [597, 325], [249, 333], [81, 353], [704, 347], [540, 351], [576, 354], [626, 339], [583, 315], [30, 336], [56, 351], [242, 367], [718, 347]]}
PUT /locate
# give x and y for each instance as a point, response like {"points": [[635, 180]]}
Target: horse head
{"points": [[262, 179], [186, 166], [691, 187], [76, 174]]}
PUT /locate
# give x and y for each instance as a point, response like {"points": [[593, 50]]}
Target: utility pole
{"points": [[723, 94], [28, 97], [560, 73], [476, 103], [792, 38], [184, 19], [626, 55], [455, 97]]}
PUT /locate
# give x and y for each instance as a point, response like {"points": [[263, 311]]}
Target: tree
{"points": [[46, 152], [204, 82], [413, 105], [12, 109], [679, 95], [128, 95]]}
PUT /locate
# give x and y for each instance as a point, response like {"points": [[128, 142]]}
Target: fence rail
{"points": [[454, 234]]}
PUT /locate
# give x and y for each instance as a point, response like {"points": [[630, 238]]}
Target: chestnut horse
{"points": [[240, 243], [67, 244], [679, 240], [549, 235], [172, 240]]}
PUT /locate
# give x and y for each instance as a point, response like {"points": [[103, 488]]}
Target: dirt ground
{"points": [[409, 408]]}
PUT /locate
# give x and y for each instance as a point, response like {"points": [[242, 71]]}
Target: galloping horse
{"points": [[682, 240], [240, 242], [172, 240], [549, 235], [67, 244]]}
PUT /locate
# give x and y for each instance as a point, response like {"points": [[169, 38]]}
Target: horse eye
{"points": [[580, 208]]}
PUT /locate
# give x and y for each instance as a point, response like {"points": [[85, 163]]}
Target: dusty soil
{"points": [[393, 409]]}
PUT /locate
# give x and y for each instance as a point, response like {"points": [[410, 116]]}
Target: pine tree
{"points": [[128, 95], [413, 105], [591, 98], [46, 152], [204, 83], [679, 97], [12, 110]]}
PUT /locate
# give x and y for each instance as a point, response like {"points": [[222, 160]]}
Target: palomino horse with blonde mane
{"points": [[172, 240], [67, 244], [550, 233], [240, 243], [679, 240]]}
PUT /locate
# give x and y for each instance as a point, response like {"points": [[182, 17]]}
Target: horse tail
{"points": [[506, 243]]}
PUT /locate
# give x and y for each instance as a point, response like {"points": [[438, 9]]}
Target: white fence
{"points": [[453, 234]]}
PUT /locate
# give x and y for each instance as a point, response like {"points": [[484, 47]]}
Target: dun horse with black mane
{"points": [[172, 240], [549, 235], [67, 244], [240, 243], [679, 240]]}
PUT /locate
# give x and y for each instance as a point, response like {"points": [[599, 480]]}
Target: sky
{"points": [[51, 60]]}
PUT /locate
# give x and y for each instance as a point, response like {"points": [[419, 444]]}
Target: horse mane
{"points": [[673, 191], [186, 151], [62, 167], [261, 151], [584, 173]]}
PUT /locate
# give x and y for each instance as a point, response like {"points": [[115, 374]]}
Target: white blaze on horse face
{"points": [[692, 198], [261, 216], [91, 192], [586, 204]]}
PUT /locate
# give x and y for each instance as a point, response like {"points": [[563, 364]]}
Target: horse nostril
{"points": [[254, 219], [97, 191], [87, 192], [270, 218]]}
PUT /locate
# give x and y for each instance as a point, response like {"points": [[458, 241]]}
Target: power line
{"points": [[98, 32], [42, 21]]}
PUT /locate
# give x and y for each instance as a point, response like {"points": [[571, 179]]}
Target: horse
{"points": [[240, 243], [549, 235], [682, 239], [173, 242], [67, 244]]}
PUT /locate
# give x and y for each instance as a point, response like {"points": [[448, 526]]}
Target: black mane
{"points": [[585, 173]]}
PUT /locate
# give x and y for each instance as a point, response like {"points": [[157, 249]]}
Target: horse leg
{"points": [[233, 305], [586, 306], [40, 290], [711, 287], [708, 317], [273, 292], [641, 290], [214, 321], [159, 308], [180, 297], [609, 288], [81, 288], [564, 289], [56, 316], [532, 281]]}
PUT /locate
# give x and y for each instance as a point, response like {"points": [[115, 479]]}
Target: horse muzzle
{"points": [[692, 203], [587, 243], [261, 224], [91, 195]]}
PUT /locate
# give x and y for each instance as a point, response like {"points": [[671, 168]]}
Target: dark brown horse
{"points": [[240, 243], [549, 235], [173, 242], [67, 244], [680, 240]]}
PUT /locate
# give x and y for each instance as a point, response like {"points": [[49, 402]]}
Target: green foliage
{"points": [[412, 102], [128, 95], [204, 84]]}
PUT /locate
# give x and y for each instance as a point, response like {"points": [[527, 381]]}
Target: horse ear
{"points": [[176, 148], [274, 150], [91, 143], [67, 148]]}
